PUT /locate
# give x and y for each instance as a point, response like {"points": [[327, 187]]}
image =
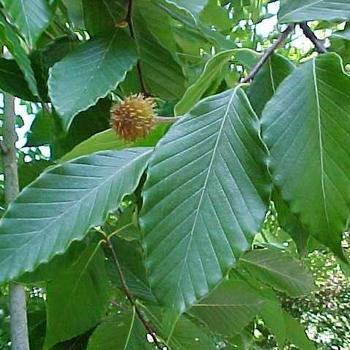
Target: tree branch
{"points": [[268, 53], [132, 33], [148, 327], [18, 315], [312, 37]]}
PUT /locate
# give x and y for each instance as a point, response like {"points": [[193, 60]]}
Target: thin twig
{"points": [[132, 33], [268, 53], [130, 297], [313, 38], [165, 120]]}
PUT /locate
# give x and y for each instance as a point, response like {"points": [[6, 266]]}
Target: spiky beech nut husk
{"points": [[133, 117]]}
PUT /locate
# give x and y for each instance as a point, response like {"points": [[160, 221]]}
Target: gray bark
{"points": [[18, 312]]}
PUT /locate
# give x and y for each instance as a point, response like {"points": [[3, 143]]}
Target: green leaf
{"points": [[273, 316], [205, 198], [30, 16], [120, 332], [108, 140], [42, 130], [194, 7], [103, 16], [62, 205], [57, 265], [209, 76], [265, 84], [229, 308], [13, 81], [162, 74], [77, 297], [340, 43], [307, 10], [278, 270], [11, 40], [28, 172], [94, 69], [84, 125], [308, 138], [189, 336], [131, 260], [290, 223], [296, 333]]}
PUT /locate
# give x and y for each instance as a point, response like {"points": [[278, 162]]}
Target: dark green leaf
{"points": [[296, 333], [265, 84], [205, 198], [162, 74], [52, 212], [308, 138], [291, 223], [11, 40], [13, 81], [77, 297], [120, 332], [278, 270], [307, 10], [229, 308], [30, 16], [102, 16], [94, 69]]}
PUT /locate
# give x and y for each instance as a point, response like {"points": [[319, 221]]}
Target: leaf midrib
{"points": [[206, 183], [319, 124], [58, 218]]}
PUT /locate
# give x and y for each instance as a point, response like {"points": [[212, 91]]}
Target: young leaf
{"points": [[77, 297], [210, 74], [63, 204], [94, 69], [278, 270], [30, 16], [108, 140], [308, 138], [307, 10], [205, 198]]}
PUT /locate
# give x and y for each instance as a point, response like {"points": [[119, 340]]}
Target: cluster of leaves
{"points": [[124, 239]]}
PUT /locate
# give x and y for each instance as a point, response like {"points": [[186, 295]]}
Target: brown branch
{"points": [[148, 327], [313, 38], [268, 53], [132, 33]]}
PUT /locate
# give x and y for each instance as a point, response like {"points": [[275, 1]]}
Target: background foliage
{"points": [[222, 231]]}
